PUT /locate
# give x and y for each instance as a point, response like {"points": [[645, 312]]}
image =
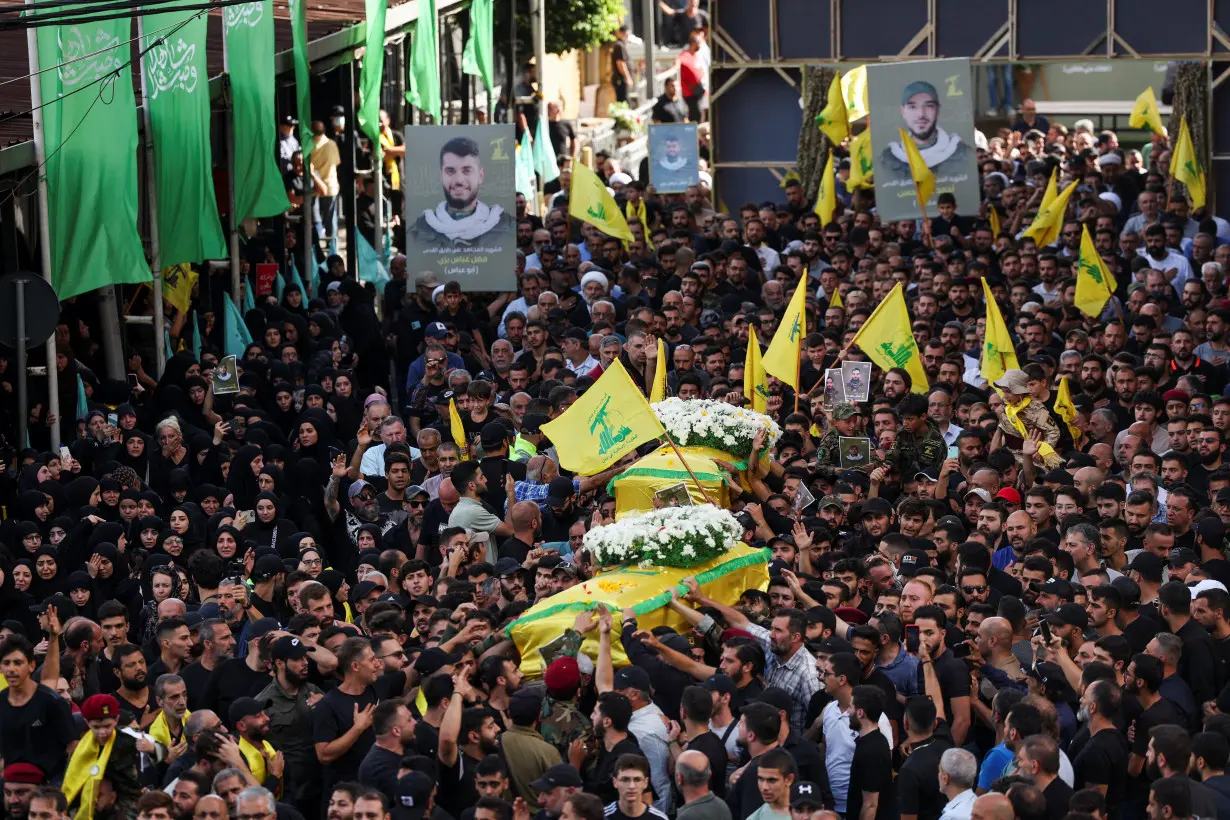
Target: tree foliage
{"points": [[571, 24]]}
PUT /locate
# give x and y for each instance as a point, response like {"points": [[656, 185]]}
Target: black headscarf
{"points": [[240, 481]]}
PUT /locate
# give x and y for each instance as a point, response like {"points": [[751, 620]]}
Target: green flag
{"points": [[544, 155], [196, 337], [83, 404], [176, 82], [371, 267], [477, 59], [303, 76], [525, 167], [259, 190], [234, 332], [373, 75], [90, 130], [424, 90]]}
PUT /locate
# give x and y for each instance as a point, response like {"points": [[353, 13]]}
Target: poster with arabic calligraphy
{"points": [[460, 204]]}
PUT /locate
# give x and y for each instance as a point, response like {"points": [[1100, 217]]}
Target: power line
{"points": [[139, 9]]}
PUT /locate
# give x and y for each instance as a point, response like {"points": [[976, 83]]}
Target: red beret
{"points": [[731, 632], [24, 773], [97, 707], [851, 614], [1176, 395], [562, 675]]}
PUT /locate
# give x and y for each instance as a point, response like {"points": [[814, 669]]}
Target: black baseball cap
{"points": [[1069, 615], [432, 659], [412, 795], [507, 566], [524, 704], [720, 683], [1181, 556], [289, 648], [266, 567], [632, 677], [1149, 566], [246, 707], [561, 774], [64, 606], [805, 793]]}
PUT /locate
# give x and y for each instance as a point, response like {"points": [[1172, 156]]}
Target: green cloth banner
{"points": [[372, 78], [303, 80], [259, 189], [90, 128], [477, 59], [424, 90], [545, 162], [177, 89], [524, 179]]}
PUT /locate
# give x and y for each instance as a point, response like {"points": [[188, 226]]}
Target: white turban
{"points": [[620, 179], [595, 276]]}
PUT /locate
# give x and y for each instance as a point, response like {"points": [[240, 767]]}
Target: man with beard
{"points": [[342, 719], [394, 728], [21, 780], [1162, 258], [461, 220], [1018, 531], [467, 735], [990, 523], [945, 153], [217, 645], [133, 694], [941, 676], [1209, 445], [1215, 349], [290, 698], [252, 726], [1144, 677], [364, 509], [1093, 379], [1169, 756], [512, 578], [1185, 362]]}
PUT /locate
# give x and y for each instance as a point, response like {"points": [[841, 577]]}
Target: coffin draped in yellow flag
{"points": [[924, 177], [887, 340], [610, 420], [998, 352], [590, 201], [1094, 282], [755, 383], [782, 357]]}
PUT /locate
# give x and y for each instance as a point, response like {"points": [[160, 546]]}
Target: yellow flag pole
{"points": [[683, 461]]}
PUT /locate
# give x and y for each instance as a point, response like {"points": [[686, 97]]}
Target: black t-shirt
{"points": [[711, 746], [953, 676], [559, 132], [1139, 632], [457, 789], [1102, 761], [871, 770], [598, 779], [332, 718], [612, 812], [918, 788], [619, 54], [1058, 794], [38, 732], [379, 769], [230, 681], [513, 547], [196, 677], [426, 739], [135, 711]]}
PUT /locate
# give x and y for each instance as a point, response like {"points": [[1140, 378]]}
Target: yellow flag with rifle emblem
{"points": [[1144, 113], [888, 341], [860, 161], [924, 177], [1094, 282], [826, 195], [1185, 167], [177, 284], [854, 91], [1045, 228], [610, 420], [755, 384], [998, 352], [782, 357], [590, 201], [832, 120]]}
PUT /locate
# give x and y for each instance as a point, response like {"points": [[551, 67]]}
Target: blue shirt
{"points": [[418, 368], [993, 766]]}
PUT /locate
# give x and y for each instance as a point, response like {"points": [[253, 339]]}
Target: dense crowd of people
{"points": [[293, 600]]}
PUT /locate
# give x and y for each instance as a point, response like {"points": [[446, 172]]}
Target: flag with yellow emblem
{"points": [[860, 161], [1094, 282], [924, 177], [1144, 113], [177, 284], [1185, 167], [826, 194], [1052, 191], [782, 357], [854, 92], [1045, 228], [998, 351], [755, 383], [658, 392], [832, 120], [1065, 409], [887, 340], [610, 420], [457, 429], [590, 201]]}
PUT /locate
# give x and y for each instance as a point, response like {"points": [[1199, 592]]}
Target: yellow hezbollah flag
{"points": [[832, 120], [835, 300], [998, 352], [754, 380], [1045, 228], [1052, 191], [782, 357], [177, 284], [924, 178], [854, 92], [1094, 281], [590, 201], [1066, 410], [860, 161], [1144, 112], [1186, 168], [458, 429], [611, 419], [826, 195], [993, 218], [659, 375], [890, 342]]}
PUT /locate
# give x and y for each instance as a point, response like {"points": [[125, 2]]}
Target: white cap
{"points": [[334, 286], [435, 294], [1207, 584], [1112, 198], [620, 179], [1109, 159], [706, 180]]}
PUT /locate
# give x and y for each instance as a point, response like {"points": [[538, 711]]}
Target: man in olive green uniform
{"points": [[845, 420], [920, 446], [562, 721]]}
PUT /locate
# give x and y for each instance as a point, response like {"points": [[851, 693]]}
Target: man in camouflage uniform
{"points": [[562, 721], [845, 420], [920, 446]]}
